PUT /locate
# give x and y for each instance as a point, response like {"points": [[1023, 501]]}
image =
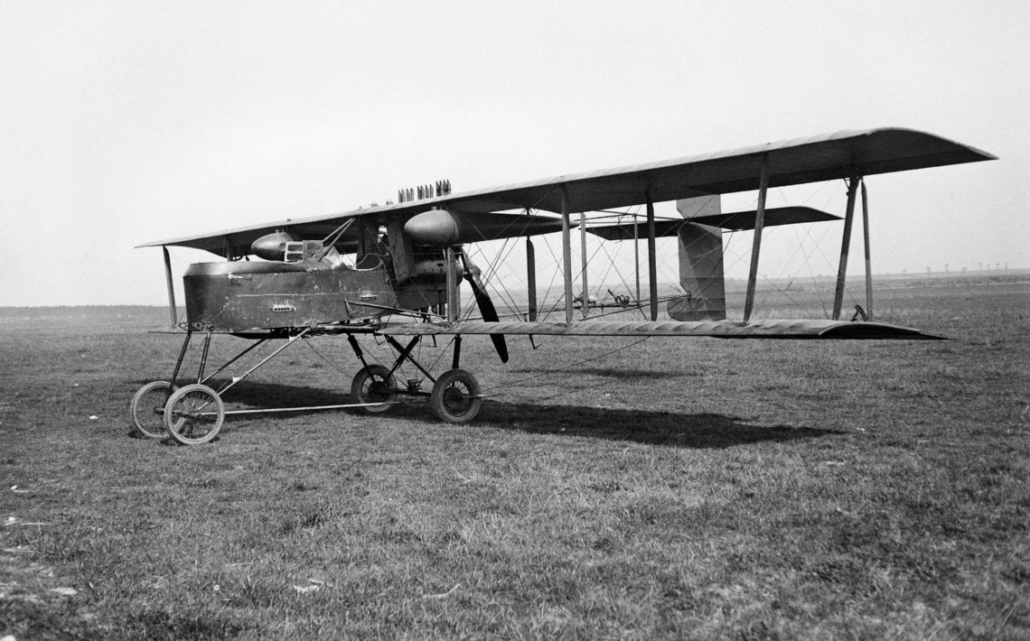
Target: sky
{"points": [[128, 122]]}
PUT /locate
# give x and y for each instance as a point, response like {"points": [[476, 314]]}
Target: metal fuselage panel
{"points": [[241, 296]]}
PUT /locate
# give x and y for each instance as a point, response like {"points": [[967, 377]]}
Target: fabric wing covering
{"points": [[792, 162], [809, 329]]}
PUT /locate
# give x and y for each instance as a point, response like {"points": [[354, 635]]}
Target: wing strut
{"points": [[566, 248], [849, 219], [583, 257], [636, 258], [868, 261], [531, 278], [652, 266], [171, 285], [752, 277], [452, 288]]}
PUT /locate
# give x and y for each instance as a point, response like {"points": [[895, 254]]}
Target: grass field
{"points": [[669, 489]]}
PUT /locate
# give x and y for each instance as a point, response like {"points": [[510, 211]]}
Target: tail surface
{"points": [[701, 269]]}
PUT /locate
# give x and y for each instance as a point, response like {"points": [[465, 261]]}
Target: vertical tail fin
{"points": [[701, 269]]}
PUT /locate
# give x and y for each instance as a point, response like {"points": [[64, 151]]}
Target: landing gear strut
{"points": [[195, 413], [455, 395]]}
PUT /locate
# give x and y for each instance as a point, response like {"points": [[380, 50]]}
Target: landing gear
{"points": [[194, 414], [455, 397], [148, 408], [374, 384]]}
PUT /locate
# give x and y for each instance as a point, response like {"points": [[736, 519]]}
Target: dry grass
{"points": [[691, 488]]}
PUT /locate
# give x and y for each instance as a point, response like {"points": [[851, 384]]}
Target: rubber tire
{"points": [[381, 388], [147, 408], [190, 399], [455, 397]]}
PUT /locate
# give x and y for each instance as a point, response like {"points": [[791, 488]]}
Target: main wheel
{"points": [[374, 384], [148, 408], [455, 397], [194, 414]]}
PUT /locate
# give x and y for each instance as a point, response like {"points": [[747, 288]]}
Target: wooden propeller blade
{"points": [[485, 304]]}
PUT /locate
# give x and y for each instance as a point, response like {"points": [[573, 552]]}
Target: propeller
{"points": [[486, 306]]}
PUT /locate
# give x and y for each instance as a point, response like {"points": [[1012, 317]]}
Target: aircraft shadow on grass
{"points": [[700, 430], [621, 374]]}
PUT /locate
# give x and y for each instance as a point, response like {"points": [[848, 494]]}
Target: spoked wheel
{"points": [[194, 414], [148, 408], [374, 384], [455, 397]]}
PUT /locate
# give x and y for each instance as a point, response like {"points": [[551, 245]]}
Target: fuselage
{"points": [[243, 296]]}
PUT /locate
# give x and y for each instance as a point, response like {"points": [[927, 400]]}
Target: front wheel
{"points": [[374, 384], [194, 414], [148, 408], [455, 397]]}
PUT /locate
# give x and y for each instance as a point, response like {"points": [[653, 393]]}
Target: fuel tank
{"points": [[445, 228], [272, 246]]}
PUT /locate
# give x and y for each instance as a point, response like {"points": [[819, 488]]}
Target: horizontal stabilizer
{"points": [[745, 220], [736, 221], [812, 329]]}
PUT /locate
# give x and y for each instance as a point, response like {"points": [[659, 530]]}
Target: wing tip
{"points": [[876, 331]]}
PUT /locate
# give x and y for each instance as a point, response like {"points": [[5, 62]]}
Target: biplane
{"points": [[394, 271]]}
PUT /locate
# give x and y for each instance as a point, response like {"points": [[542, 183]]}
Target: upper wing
{"points": [[791, 162]]}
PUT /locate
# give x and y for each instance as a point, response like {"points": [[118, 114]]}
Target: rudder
{"points": [[701, 263]]}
